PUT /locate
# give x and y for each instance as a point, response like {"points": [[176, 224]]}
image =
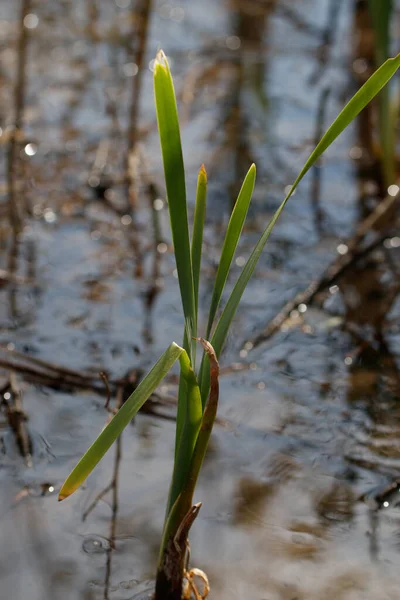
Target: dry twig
{"points": [[378, 224]]}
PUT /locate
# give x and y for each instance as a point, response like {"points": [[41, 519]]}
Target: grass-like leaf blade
{"points": [[190, 425], [207, 422], [381, 19], [381, 12], [124, 416], [231, 240], [364, 95], [171, 148], [357, 103], [183, 497], [198, 228]]}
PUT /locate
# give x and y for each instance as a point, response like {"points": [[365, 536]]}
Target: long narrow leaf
{"points": [[198, 228], [365, 94], [207, 422], [190, 429], [381, 13], [357, 103], [178, 508], [231, 240], [181, 409], [125, 414], [168, 126]]}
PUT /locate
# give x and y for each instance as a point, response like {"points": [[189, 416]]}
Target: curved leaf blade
{"points": [[357, 103], [118, 423]]}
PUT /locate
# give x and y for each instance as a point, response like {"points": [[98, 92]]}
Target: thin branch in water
{"points": [[113, 525], [111, 487], [50, 366], [11, 399], [17, 131], [379, 222], [316, 171], [104, 378], [154, 288], [327, 41], [141, 17]]}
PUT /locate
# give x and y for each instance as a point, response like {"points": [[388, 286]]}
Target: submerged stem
{"points": [[172, 565]]}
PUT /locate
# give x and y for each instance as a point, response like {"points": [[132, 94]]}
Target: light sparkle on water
{"points": [[30, 149], [31, 21]]}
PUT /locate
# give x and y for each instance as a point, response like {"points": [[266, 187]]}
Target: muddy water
{"points": [[311, 421]]}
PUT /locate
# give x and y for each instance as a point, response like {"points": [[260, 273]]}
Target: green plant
{"points": [[198, 389], [381, 12]]}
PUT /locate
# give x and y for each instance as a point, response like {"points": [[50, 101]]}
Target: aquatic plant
{"points": [[381, 18], [198, 388]]}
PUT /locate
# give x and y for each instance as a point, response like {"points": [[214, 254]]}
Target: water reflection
{"points": [[312, 423]]}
